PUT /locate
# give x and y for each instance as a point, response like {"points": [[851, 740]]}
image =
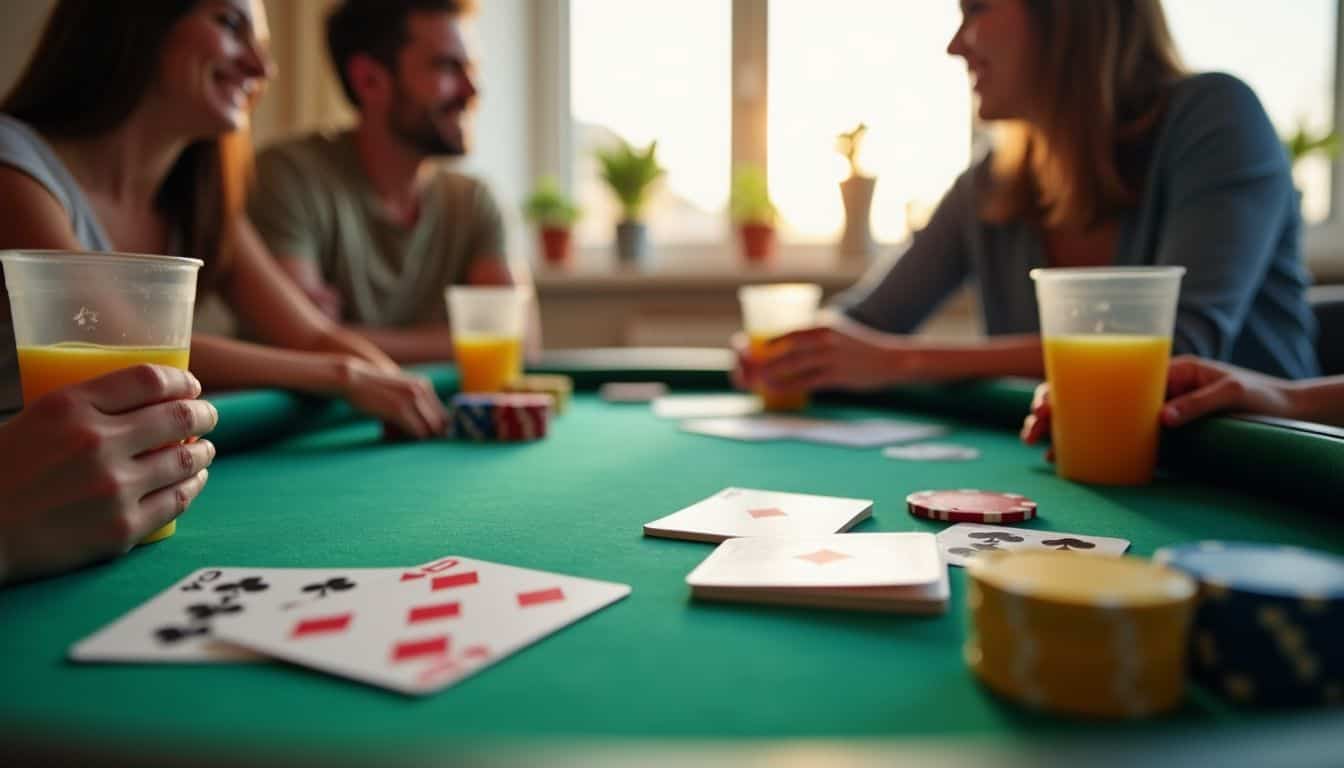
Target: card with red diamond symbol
{"points": [[891, 572], [430, 628], [735, 512]]}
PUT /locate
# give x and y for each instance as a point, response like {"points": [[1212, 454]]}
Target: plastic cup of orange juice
{"points": [[80, 315], [488, 324], [1107, 338], [768, 312]]}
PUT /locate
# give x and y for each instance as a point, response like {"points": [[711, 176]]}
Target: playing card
{"points": [[965, 540], [868, 433], [931, 452], [837, 560], [420, 635], [705, 406], [735, 512], [178, 624], [750, 428], [632, 391]]}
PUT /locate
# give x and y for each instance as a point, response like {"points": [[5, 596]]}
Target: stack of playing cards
{"points": [[890, 572], [788, 548], [414, 630]]}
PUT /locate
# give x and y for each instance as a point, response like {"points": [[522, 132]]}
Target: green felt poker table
{"points": [[307, 483]]}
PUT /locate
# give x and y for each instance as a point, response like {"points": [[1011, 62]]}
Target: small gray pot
{"points": [[632, 243]]}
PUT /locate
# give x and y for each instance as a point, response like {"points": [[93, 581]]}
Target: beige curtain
{"points": [[305, 94]]}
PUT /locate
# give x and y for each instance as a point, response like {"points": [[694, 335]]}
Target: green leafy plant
{"points": [[630, 173], [548, 206], [848, 144], [1304, 143], [750, 201]]}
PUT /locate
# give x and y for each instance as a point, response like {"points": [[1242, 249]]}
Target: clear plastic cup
{"points": [[768, 312], [488, 324], [1107, 338], [80, 315]]}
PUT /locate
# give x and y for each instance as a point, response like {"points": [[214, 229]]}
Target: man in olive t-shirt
{"points": [[365, 221]]}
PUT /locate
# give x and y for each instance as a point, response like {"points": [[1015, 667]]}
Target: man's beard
{"points": [[415, 125]]}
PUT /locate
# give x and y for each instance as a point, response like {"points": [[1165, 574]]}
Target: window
{"points": [[852, 63], [1286, 52], [643, 71], [824, 68]]}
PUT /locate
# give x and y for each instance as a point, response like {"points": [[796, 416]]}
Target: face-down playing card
{"points": [[420, 635], [735, 512]]}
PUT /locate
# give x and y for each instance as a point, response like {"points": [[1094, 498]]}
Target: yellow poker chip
{"points": [[1083, 580], [557, 386]]}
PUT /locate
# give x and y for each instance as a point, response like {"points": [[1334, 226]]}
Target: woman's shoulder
{"points": [[1213, 92], [19, 140]]}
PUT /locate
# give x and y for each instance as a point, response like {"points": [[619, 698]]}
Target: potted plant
{"points": [[1303, 143], [754, 212], [630, 173], [554, 214], [857, 193]]}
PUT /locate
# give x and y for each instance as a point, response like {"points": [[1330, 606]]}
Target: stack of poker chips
{"points": [[1080, 634], [1269, 629], [500, 417], [558, 387]]}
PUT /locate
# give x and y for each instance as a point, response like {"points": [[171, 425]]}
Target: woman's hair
{"points": [[1104, 69], [91, 69]]}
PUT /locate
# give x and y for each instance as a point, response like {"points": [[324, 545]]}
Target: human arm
{"points": [[318, 356], [1198, 387], [89, 470], [869, 346]]}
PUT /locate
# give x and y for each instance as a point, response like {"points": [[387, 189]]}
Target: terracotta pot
{"points": [[555, 245], [758, 241]]}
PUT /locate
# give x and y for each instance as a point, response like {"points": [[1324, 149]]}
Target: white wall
{"points": [[305, 96]]}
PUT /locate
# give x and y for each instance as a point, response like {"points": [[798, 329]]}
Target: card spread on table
{"points": [[735, 512], [632, 391], [866, 433], [420, 635], [705, 406], [750, 429], [837, 560], [963, 541], [180, 623]]}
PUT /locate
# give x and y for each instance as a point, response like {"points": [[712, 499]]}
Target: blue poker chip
{"points": [[1261, 569]]}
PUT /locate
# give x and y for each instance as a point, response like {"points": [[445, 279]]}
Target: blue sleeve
{"points": [[1228, 189], [896, 299]]}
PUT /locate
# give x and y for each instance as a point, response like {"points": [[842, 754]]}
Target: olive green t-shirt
{"points": [[312, 200]]}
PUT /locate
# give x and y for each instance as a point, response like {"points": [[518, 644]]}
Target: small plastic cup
{"points": [[768, 312], [78, 316], [488, 325], [1107, 338]]}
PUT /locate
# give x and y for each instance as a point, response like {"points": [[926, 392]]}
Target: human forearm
{"points": [[1318, 400], [942, 361], [222, 363], [420, 344]]}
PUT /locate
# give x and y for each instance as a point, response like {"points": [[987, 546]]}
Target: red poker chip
{"points": [[971, 506]]}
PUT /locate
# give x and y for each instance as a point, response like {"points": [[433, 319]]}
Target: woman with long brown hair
{"points": [[1107, 153], [127, 132]]}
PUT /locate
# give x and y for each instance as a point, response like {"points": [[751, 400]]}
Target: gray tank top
{"points": [[24, 150]]}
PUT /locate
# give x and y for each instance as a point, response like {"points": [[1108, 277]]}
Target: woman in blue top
{"points": [[1106, 153]]}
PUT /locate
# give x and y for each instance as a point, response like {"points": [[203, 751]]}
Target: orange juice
{"points": [[1106, 394], [487, 363], [775, 399], [46, 368]]}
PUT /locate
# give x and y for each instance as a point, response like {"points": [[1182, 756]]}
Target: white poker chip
{"points": [[931, 452]]}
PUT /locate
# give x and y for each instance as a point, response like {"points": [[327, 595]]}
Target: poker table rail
{"points": [[1293, 461]]}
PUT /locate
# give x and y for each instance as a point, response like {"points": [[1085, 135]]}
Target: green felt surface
{"points": [[656, 665]]}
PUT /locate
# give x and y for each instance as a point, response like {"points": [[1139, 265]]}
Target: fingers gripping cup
{"points": [[768, 312], [78, 316], [1107, 338], [487, 327]]}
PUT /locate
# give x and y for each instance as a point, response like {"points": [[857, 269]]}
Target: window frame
{"points": [[552, 134]]}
